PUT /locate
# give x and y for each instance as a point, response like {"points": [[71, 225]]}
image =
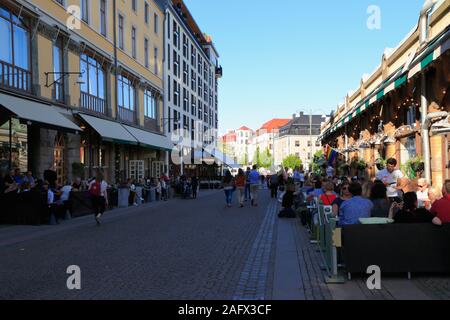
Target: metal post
{"points": [[10, 143], [310, 139], [425, 129]]}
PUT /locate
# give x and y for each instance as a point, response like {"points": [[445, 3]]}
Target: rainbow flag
{"points": [[330, 154]]}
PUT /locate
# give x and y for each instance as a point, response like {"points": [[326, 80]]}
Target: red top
{"points": [[327, 199], [441, 209], [240, 181]]}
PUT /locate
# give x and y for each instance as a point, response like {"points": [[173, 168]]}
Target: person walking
{"points": [[194, 185], [254, 185], [228, 184], [247, 184], [273, 186], [98, 192], [240, 182]]}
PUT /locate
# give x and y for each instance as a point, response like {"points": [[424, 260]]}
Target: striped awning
{"points": [[432, 52]]}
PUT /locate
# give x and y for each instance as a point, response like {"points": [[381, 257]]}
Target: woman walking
{"points": [[240, 182], [228, 184]]}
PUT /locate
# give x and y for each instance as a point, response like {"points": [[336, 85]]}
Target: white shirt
{"points": [[422, 195], [330, 171], [65, 192], [50, 197], [391, 180]]}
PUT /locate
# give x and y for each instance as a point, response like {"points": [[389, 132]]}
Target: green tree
{"points": [[263, 160], [292, 162], [318, 161]]}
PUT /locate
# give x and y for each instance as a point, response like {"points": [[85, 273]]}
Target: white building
{"points": [[191, 73]]}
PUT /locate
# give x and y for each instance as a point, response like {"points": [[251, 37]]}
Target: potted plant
{"points": [[414, 167], [361, 165], [380, 163]]}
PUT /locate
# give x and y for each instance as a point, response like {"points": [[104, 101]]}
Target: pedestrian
{"points": [[228, 184], [273, 186], [254, 185], [194, 184], [240, 182], [98, 192], [247, 184], [51, 176]]}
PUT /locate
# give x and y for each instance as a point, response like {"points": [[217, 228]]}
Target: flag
{"points": [[330, 154]]}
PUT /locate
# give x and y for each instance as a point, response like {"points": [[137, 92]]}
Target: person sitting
{"points": [[344, 196], [288, 202], [422, 193], [318, 191], [355, 208], [408, 211], [381, 204], [441, 208], [328, 196], [77, 184]]}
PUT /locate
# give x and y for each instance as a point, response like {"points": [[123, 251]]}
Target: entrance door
{"points": [[136, 169], [157, 168], [58, 156]]}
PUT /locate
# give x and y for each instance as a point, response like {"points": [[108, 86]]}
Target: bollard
{"points": [[333, 241]]}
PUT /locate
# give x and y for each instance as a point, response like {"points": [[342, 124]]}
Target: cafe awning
{"points": [[34, 111], [149, 139], [109, 130]]}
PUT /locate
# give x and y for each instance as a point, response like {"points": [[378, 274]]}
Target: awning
{"points": [[38, 112], [433, 51], [109, 130], [149, 139]]}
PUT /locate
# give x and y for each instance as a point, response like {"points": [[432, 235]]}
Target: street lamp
{"points": [[79, 81]]}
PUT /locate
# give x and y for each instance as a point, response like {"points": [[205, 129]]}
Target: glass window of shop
{"points": [[17, 151]]}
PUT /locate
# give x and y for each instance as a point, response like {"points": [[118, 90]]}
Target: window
{"points": [[126, 93], [146, 59], [200, 109], [147, 13], [193, 106], [176, 93], [61, 2], [185, 100], [133, 42], [168, 57], [155, 23], [193, 55], [309, 144], [176, 35], [309, 155], [168, 89], [121, 34], [155, 57], [317, 143], [58, 91], [14, 52], [185, 73], [103, 17], [411, 116], [185, 46], [297, 143], [93, 89], [193, 82], [84, 7], [150, 105], [176, 71], [134, 5]]}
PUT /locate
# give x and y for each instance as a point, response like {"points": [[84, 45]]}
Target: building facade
{"points": [[191, 74], [401, 110], [298, 138]]}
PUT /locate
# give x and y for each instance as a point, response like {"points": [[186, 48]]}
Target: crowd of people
{"points": [[390, 195], [245, 183]]}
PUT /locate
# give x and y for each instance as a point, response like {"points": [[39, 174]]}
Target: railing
{"points": [[126, 115], [92, 103], [14, 77]]}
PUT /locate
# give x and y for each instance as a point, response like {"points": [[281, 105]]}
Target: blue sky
{"points": [[281, 57]]}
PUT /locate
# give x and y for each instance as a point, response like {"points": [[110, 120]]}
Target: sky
{"points": [[283, 57]]}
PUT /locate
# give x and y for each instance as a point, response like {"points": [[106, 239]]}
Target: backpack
{"points": [[95, 189]]}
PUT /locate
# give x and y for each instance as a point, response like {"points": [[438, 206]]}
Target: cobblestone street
{"points": [[181, 249]]}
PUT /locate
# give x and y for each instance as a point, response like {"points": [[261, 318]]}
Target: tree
{"points": [[292, 162], [263, 160], [318, 162]]}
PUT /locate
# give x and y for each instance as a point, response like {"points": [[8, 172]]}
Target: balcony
{"points": [[219, 72], [12, 77], [127, 115], [92, 103]]}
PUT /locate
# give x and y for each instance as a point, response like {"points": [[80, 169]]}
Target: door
{"points": [[136, 170], [157, 169], [58, 156]]}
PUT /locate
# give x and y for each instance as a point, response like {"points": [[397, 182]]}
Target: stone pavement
{"points": [[184, 250], [298, 275]]}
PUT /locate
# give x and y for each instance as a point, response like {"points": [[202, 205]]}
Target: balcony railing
{"points": [[92, 103], [14, 77], [127, 115]]}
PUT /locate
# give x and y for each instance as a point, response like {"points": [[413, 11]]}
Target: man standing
{"points": [[51, 176], [389, 177], [98, 191], [253, 178], [247, 184]]}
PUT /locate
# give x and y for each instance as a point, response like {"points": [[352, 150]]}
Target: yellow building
{"points": [[86, 77]]}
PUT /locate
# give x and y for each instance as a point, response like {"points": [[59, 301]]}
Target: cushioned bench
{"points": [[397, 248]]}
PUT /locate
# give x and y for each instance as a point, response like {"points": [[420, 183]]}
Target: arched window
{"points": [[14, 51]]}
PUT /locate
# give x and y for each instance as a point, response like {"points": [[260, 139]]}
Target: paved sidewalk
{"points": [[298, 275]]}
